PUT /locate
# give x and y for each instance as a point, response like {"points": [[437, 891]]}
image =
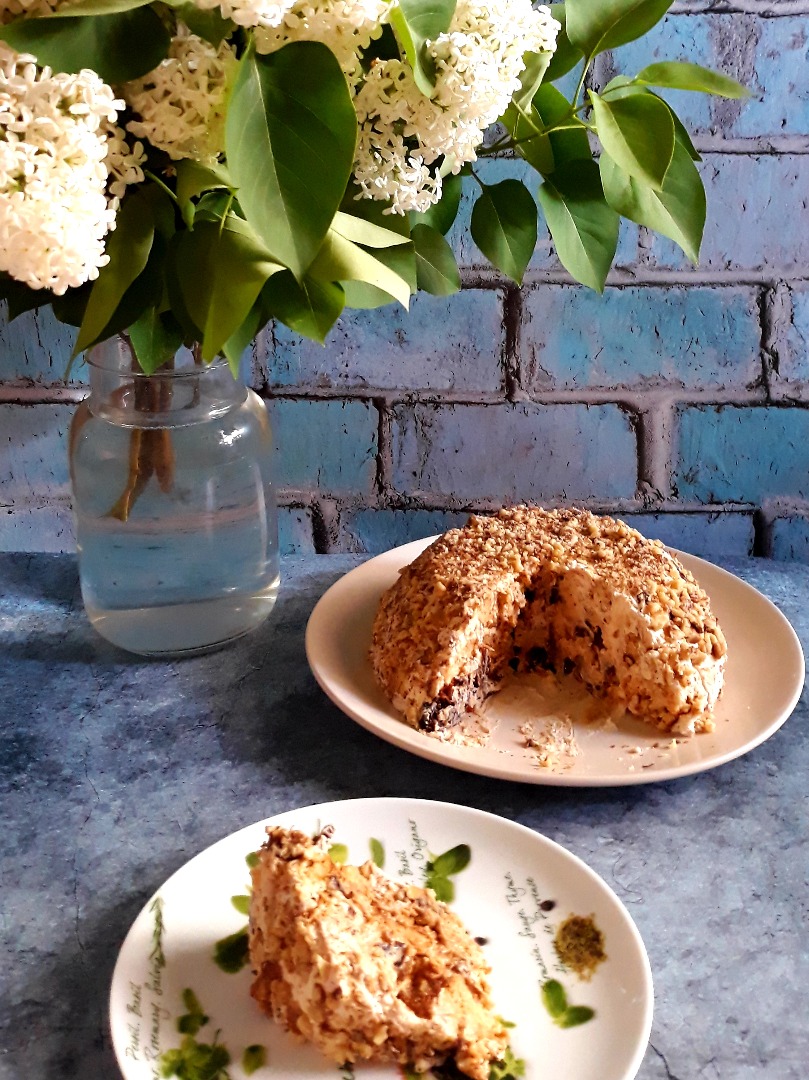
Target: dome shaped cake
{"points": [[559, 590]]}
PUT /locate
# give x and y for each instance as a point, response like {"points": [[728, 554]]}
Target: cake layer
{"points": [[563, 590]]}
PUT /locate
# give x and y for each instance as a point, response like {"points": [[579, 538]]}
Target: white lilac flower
{"points": [[180, 105], [15, 9], [404, 135], [124, 161], [250, 12], [345, 26], [54, 211]]}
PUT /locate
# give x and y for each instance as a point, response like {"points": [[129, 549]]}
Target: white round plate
{"points": [[516, 889], [763, 682]]}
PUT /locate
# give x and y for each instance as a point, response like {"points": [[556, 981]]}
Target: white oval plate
{"points": [[502, 896], [763, 682]]}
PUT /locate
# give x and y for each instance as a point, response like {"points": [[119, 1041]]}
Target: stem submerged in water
{"points": [[151, 451]]}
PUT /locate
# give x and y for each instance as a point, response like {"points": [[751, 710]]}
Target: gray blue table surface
{"points": [[115, 771]]}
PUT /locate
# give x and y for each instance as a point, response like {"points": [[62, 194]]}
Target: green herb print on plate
{"points": [[232, 953], [253, 1058], [441, 867], [194, 1060], [554, 998], [377, 852]]}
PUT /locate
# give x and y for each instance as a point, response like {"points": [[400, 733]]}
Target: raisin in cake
{"points": [[561, 590], [364, 967]]}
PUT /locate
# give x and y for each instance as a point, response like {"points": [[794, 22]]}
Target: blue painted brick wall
{"points": [[678, 400]]}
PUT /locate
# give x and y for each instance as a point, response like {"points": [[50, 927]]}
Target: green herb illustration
{"points": [[563, 1015], [377, 852], [232, 953], [338, 853], [441, 868], [508, 1067], [191, 1022], [253, 1058], [195, 1060]]}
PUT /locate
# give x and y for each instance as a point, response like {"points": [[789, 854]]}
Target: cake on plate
{"points": [[565, 591], [364, 967]]}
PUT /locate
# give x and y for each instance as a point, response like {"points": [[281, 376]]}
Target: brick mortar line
{"points": [[482, 277], [298, 498], [621, 395], [767, 9], [385, 400], [44, 395]]}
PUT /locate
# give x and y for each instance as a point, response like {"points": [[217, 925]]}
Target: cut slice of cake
{"points": [[560, 590], [364, 967]]}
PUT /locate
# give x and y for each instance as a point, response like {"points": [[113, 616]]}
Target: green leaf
{"points": [[290, 135], [69, 41], [194, 178], [242, 337], [532, 144], [536, 65], [365, 297], [575, 1015], [442, 214], [340, 260], [676, 211], [221, 271], [566, 55], [637, 131], [128, 248], [252, 859], [309, 308], [595, 27], [377, 852], [436, 270], [415, 22], [208, 25], [232, 953], [554, 997], [253, 1058], [99, 7], [584, 228], [338, 853], [568, 142], [451, 862], [366, 233], [155, 337], [191, 332], [21, 298], [241, 903], [681, 75], [622, 85], [504, 226]]}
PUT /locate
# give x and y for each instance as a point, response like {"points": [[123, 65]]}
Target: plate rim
{"points": [[528, 834], [432, 750]]}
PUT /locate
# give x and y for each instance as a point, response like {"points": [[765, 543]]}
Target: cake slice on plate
{"points": [[364, 967]]}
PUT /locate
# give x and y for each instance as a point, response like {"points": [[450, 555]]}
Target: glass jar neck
{"points": [[179, 393]]}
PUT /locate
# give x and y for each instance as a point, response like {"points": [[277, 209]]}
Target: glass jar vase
{"points": [[174, 503]]}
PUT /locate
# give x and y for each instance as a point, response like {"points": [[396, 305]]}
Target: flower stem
{"points": [[151, 451]]}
